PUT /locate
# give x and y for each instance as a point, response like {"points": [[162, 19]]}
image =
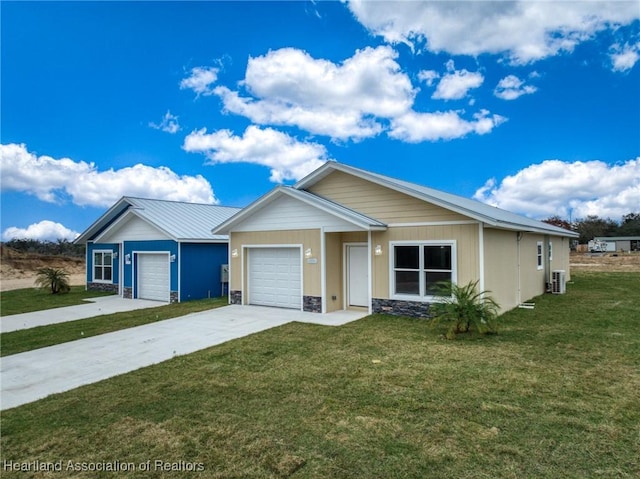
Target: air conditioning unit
{"points": [[558, 282]]}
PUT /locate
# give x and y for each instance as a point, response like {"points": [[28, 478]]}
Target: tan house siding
{"points": [[306, 238], [560, 256], [334, 274], [466, 237], [501, 267], [532, 280], [378, 202]]}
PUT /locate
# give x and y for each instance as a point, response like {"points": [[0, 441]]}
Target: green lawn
{"points": [[33, 299], [554, 395], [34, 338]]}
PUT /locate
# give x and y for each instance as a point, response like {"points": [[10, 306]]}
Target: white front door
{"points": [[358, 278]]}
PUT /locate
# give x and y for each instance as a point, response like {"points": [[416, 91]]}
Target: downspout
{"points": [[369, 270], [323, 271], [547, 263], [519, 236], [481, 255]]}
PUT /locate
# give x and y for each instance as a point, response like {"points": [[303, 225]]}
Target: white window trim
{"points": [[540, 255], [420, 244], [93, 266]]}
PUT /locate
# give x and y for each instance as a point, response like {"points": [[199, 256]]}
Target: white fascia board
{"points": [[97, 224], [124, 217]]}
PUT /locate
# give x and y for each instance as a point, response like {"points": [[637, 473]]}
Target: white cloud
{"points": [[200, 80], [524, 31], [359, 98], [624, 57], [511, 87], [457, 83], [576, 189], [54, 180], [428, 76], [416, 127], [44, 231], [169, 124], [289, 87], [285, 156]]}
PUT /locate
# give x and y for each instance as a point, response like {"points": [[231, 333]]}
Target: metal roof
{"points": [[179, 220], [474, 209]]}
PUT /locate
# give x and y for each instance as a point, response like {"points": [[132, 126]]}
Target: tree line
{"points": [[62, 247], [593, 226]]}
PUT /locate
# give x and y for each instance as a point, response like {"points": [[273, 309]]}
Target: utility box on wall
{"points": [[224, 273]]}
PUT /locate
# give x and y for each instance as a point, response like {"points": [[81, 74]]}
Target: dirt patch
{"points": [[18, 270], [608, 262]]}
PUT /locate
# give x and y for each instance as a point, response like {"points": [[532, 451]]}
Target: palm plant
{"points": [[465, 308], [54, 279]]}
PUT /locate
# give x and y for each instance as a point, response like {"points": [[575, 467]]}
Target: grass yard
{"points": [[34, 299], [554, 395], [40, 337]]}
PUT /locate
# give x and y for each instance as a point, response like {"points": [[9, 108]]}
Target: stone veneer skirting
{"points": [[312, 304], [235, 297], [173, 297], [414, 309], [127, 293], [106, 287]]}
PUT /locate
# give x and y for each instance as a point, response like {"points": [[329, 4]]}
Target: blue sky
{"points": [[533, 107]]}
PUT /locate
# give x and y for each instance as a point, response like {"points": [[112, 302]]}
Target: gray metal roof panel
{"points": [[181, 220], [466, 206]]}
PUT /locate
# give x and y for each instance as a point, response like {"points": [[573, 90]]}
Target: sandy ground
{"points": [[28, 282]]}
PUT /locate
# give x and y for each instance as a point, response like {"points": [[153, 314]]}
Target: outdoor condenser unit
{"points": [[558, 282]]}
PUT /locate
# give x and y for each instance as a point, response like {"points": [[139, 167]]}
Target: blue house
{"points": [[158, 250]]}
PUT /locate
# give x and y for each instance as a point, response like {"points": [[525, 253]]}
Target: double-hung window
{"points": [[102, 266], [539, 255], [417, 269]]}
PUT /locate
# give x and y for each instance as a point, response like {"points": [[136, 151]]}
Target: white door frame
{"points": [[246, 253], [135, 273], [346, 273]]}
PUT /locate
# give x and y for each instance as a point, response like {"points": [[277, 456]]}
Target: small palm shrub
{"points": [[465, 308], [54, 279]]}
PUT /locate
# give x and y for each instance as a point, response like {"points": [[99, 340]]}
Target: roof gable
{"points": [[179, 221], [295, 209]]}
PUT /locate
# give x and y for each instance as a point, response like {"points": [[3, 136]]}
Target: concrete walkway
{"points": [[33, 375], [94, 307]]}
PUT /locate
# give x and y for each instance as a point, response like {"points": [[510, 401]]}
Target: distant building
{"points": [[621, 244]]}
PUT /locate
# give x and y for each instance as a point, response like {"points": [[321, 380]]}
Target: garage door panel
{"points": [[153, 277], [274, 277]]}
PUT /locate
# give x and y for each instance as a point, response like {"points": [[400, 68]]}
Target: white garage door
{"points": [[274, 277], [153, 276]]}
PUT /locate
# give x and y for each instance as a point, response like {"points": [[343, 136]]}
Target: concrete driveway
{"points": [[94, 307], [33, 375]]}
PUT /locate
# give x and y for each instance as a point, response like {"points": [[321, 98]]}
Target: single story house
{"points": [[343, 237], [158, 250], [620, 243]]}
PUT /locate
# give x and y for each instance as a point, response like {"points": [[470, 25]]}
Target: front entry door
{"points": [[358, 280]]}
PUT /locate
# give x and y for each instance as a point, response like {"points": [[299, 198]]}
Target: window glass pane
{"points": [[431, 283], [97, 258], [107, 273], [407, 282], [407, 257], [107, 259], [97, 273], [437, 257]]}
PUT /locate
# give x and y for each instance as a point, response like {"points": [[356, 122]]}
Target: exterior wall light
{"points": [[308, 253], [172, 258], [378, 250], [127, 259], [234, 253]]}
